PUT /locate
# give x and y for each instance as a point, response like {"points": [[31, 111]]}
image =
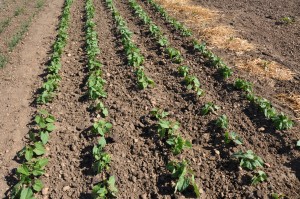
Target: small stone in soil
{"points": [[66, 188]]}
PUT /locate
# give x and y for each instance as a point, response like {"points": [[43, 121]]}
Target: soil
{"points": [[260, 22], [138, 155]]}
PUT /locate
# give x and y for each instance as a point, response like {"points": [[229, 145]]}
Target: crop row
{"points": [[53, 78], [280, 121], [106, 188], [168, 132], [191, 81], [176, 142], [133, 53], [247, 159], [33, 163]]}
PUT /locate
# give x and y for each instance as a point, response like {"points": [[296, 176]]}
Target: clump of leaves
{"points": [[174, 55], [32, 150], [282, 122], [259, 177], [167, 128], [163, 41], [143, 80], [232, 137], [178, 144], [193, 83], [209, 107], [27, 174], [101, 127], [225, 71], [100, 107], [105, 189], [184, 176], [158, 113], [101, 159], [222, 122], [45, 122], [249, 160], [183, 70], [243, 85]]}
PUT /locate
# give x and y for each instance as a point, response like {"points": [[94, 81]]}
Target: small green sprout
{"points": [[184, 176], [259, 177], [178, 144], [105, 189], [183, 70], [243, 85], [222, 122], [101, 159], [101, 127], [158, 113], [209, 107], [282, 122], [232, 137], [249, 160]]}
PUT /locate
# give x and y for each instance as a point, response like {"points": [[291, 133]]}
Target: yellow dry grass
{"points": [[270, 69], [292, 101], [225, 37], [204, 22]]}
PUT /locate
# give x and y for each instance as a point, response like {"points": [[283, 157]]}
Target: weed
{"points": [[3, 61], [4, 24]]}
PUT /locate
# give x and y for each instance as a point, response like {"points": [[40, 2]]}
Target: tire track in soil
{"points": [[233, 107], [19, 80], [67, 175]]}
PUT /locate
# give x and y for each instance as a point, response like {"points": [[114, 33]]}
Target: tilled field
{"points": [[138, 150]]}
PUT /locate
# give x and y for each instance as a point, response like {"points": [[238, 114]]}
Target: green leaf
{"points": [[28, 153], [23, 169], [44, 137], [298, 143], [26, 193], [182, 184], [50, 127], [38, 185], [43, 162], [39, 148]]}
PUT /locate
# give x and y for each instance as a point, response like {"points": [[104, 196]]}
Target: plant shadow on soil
{"points": [[295, 166]]}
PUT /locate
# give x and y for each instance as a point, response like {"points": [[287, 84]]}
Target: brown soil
{"points": [[138, 155], [260, 22]]}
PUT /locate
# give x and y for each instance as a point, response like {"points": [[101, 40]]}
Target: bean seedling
{"points": [[259, 177], [249, 160], [232, 137], [105, 189], [209, 108], [184, 176], [222, 122]]}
